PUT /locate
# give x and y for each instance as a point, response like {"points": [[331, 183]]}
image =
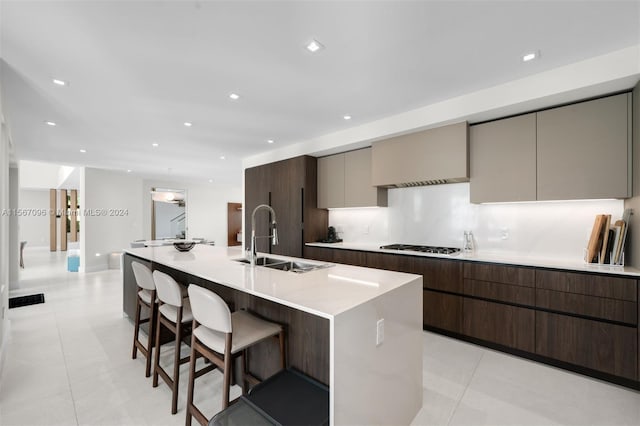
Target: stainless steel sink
{"points": [[286, 265], [297, 267], [261, 261]]}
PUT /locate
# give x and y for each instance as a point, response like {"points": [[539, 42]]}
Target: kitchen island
{"points": [[356, 329]]}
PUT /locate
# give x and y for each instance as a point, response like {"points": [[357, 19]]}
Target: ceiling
{"points": [[138, 70]]}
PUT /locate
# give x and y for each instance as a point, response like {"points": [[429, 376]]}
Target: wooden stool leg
{"points": [[176, 367], [245, 363], [156, 362], [227, 372], [136, 324], [283, 361], [192, 378], [152, 314]]}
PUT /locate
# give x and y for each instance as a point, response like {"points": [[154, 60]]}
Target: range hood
{"points": [[429, 157]]}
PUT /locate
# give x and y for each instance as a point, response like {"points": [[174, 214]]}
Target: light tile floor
{"points": [[69, 363]]}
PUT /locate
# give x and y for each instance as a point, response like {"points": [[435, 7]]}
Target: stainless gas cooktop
{"points": [[422, 249]]}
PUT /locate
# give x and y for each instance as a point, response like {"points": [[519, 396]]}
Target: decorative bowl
{"points": [[184, 245]]}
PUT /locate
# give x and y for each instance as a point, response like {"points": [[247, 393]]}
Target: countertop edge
{"points": [[494, 258], [327, 315]]}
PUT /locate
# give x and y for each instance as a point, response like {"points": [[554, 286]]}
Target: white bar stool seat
{"points": [[247, 330]]}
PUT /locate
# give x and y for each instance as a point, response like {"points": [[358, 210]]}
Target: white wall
{"points": [[206, 208], [38, 175], [118, 195], [14, 244], [4, 236], [438, 215], [34, 229]]}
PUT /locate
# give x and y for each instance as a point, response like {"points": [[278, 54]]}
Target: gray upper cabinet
{"points": [[573, 152], [584, 150], [331, 181], [358, 190], [503, 160], [433, 156], [344, 180]]}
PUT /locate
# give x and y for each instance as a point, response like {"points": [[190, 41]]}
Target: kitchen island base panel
{"points": [[360, 365]]}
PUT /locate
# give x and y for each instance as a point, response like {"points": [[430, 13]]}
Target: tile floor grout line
{"points": [[66, 369], [465, 388]]}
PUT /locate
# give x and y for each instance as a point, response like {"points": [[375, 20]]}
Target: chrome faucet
{"points": [[274, 236]]}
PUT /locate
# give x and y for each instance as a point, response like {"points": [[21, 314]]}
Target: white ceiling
{"points": [[138, 70]]}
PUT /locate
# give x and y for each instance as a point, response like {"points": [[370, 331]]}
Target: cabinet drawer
{"points": [[591, 306], [445, 275], [506, 325], [588, 284], [502, 292], [601, 346], [511, 275], [318, 253], [350, 257], [442, 310]]}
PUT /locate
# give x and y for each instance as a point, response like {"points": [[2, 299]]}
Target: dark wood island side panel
{"points": [[307, 335]]}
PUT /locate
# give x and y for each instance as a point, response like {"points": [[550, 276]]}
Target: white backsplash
{"points": [[438, 215]]}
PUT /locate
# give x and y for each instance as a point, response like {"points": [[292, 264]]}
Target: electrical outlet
{"points": [[380, 332], [504, 234]]}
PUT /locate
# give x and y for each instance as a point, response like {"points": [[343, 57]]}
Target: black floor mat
{"points": [[32, 299]]}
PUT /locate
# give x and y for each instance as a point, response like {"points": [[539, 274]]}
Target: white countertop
{"points": [[509, 259], [326, 292]]}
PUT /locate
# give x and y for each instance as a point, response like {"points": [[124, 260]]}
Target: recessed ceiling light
{"points": [[314, 45], [50, 123], [530, 56], [59, 82], [234, 96], [188, 124], [128, 170], [210, 180], [270, 140], [222, 157], [347, 117], [155, 145], [83, 151]]}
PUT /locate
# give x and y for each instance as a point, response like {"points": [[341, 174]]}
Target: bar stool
{"points": [[174, 314], [220, 336], [146, 297]]}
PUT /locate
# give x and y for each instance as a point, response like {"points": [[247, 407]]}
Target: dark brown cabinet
{"points": [[506, 325], [597, 345], [319, 253], [593, 296], [442, 310], [496, 311], [509, 284], [581, 321], [440, 274], [290, 188]]}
